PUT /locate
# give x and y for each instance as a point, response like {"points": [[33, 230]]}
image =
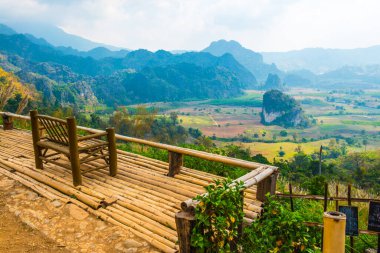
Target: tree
{"points": [[365, 143], [15, 92]]}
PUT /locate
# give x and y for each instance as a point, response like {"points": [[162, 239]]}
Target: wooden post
{"points": [[325, 197], [185, 222], [291, 198], [175, 163], [337, 195], [74, 153], [7, 122], [324, 208], [267, 185], [112, 151], [349, 204], [36, 138], [320, 161]]}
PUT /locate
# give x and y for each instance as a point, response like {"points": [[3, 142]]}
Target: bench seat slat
{"points": [[54, 146]]}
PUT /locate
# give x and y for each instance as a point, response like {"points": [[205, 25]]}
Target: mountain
{"points": [[273, 82], [140, 76], [320, 60], [283, 110], [6, 30], [249, 59], [56, 36]]}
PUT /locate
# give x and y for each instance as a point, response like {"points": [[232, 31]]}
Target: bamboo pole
{"points": [[59, 186]]}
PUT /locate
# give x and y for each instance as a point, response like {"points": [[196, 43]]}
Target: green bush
{"points": [[217, 218], [280, 230], [314, 185]]}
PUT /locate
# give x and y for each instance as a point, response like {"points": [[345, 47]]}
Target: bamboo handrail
{"points": [[248, 180], [180, 150]]}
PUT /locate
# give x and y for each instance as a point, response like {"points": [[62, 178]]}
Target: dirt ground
{"points": [[16, 237]]}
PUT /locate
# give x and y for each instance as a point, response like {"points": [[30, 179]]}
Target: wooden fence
{"points": [[325, 198]]}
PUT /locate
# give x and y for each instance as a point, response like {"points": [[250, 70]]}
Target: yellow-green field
{"points": [[195, 121], [270, 150]]}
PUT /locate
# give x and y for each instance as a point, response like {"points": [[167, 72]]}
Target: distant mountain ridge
{"points": [[56, 36], [251, 60], [321, 60]]}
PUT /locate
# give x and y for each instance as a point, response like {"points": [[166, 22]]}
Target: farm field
{"points": [[353, 116], [336, 114], [271, 150]]}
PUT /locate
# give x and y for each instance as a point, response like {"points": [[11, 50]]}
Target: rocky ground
{"points": [[31, 223]]}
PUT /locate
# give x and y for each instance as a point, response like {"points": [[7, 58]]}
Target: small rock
{"points": [[56, 203], [17, 213], [6, 184], [83, 225], [77, 212], [119, 247], [131, 250], [130, 243], [31, 195]]}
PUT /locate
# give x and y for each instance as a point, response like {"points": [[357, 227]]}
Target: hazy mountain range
{"points": [[66, 74], [56, 36], [321, 60]]}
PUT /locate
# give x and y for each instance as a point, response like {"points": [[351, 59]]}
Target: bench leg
{"points": [[75, 168], [112, 151], [74, 152], [37, 159]]}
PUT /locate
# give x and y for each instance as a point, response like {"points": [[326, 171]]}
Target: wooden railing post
{"points": [[175, 163], [265, 186], [185, 222], [74, 152], [36, 138], [112, 151], [7, 122]]}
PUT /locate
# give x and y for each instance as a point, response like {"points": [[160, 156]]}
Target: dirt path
{"points": [[17, 237]]}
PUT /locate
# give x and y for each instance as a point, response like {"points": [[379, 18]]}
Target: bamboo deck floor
{"points": [[141, 198]]}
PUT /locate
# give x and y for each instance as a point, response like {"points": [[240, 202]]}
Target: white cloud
{"points": [[262, 25]]}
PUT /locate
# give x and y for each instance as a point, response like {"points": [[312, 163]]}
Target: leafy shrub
{"points": [[314, 185], [280, 230], [217, 217]]}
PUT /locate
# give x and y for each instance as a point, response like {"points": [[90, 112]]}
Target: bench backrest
{"points": [[56, 129]]}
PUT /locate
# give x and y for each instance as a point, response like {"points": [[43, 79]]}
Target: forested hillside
{"points": [[140, 76]]}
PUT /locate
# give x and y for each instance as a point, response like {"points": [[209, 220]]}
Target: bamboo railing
{"points": [[172, 149], [264, 176]]}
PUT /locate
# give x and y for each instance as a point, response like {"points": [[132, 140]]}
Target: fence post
{"points": [[268, 184], [36, 138], [112, 151], [175, 163], [7, 122], [185, 222]]}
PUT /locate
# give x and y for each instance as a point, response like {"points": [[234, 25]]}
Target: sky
{"points": [[261, 25]]}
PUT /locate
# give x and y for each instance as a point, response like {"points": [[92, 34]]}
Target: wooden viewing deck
{"points": [[141, 198]]}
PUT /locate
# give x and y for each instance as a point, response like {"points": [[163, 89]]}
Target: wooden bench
{"points": [[61, 137]]}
